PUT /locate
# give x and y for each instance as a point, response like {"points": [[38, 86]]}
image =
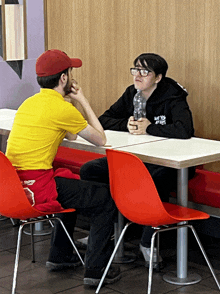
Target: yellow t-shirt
{"points": [[40, 125]]}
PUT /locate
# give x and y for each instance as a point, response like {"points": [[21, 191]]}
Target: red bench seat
{"points": [[204, 188], [73, 159]]}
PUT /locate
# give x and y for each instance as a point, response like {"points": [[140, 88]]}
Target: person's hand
{"points": [[74, 87], [132, 125], [76, 92], [138, 127]]}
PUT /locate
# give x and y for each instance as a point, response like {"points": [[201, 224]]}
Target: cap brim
{"points": [[76, 62]]}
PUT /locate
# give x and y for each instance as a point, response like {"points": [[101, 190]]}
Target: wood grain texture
{"points": [[14, 32], [109, 34]]}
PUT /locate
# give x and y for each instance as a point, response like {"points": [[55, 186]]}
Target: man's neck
{"points": [[147, 93], [60, 90]]}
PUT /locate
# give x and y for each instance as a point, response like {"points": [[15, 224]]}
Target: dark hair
{"points": [[153, 62], [51, 82]]}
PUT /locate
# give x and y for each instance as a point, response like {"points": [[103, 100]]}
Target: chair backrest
{"points": [[13, 200], [134, 191]]}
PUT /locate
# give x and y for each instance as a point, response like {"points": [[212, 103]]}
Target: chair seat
{"points": [[181, 213], [25, 212]]}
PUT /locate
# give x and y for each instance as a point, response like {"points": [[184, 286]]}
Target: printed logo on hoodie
{"points": [[160, 119]]}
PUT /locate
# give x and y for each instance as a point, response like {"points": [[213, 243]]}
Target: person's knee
{"points": [[95, 170], [67, 218], [86, 171]]}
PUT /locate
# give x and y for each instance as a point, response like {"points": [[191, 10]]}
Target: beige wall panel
{"points": [[109, 34], [14, 32]]}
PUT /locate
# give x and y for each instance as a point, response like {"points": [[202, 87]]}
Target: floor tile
{"points": [[4, 291], [192, 289], [40, 278], [34, 278]]}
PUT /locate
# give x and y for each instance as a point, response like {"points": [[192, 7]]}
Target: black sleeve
{"points": [[116, 117], [181, 126]]}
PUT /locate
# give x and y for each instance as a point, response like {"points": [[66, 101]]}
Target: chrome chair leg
{"points": [[74, 246], [31, 223], [150, 275], [17, 258], [204, 254], [200, 246], [51, 223], [32, 242], [12, 221], [112, 256], [158, 252]]}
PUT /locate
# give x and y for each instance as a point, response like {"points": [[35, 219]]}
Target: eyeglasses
{"points": [[142, 72]]}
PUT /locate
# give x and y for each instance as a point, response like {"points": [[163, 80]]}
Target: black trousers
{"points": [[94, 201], [165, 180]]}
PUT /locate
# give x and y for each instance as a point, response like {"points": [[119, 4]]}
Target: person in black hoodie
{"points": [[167, 115]]}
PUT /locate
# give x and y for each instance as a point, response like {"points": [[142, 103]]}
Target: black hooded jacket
{"points": [[167, 110]]}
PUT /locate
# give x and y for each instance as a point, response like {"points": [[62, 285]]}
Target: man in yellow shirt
{"points": [[40, 125]]}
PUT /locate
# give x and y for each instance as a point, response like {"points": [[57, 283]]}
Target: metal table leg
{"points": [[3, 142], [182, 277], [120, 257]]}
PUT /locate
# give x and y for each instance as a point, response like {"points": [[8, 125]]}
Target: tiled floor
{"points": [[34, 278]]}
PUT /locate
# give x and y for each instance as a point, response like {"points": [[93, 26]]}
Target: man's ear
{"points": [[158, 78], [63, 78]]}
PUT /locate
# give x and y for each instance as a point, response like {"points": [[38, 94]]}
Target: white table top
{"points": [[115, 140], [167, 152], [7, 113], [177, 153], [6, 120], [6, 124]]}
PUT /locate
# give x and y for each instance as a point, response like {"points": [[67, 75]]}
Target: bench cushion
{"points": [[204, 188], [73, 158]]}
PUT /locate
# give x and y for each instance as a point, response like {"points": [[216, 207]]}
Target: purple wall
{"points": [[13, 90]]}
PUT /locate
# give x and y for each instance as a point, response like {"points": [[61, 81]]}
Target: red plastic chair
{"points": [[14, 204], [136, 197]]}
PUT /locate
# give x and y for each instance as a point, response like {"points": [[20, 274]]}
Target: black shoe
{"points": [[92, 277], [72, 262]]}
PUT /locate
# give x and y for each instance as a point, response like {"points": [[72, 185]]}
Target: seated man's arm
{"points": [[93, 132], [91, 135], [71, 136], [117, 116], [181, 126]]}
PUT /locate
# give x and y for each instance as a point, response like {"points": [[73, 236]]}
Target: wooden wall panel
{"points": [[14, 31], [108, 34]]}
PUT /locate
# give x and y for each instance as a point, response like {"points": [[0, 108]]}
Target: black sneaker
{"points": [[72, 262], [92, 277]]}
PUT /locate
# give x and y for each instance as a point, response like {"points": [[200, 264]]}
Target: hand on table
{"points": [[138, 127]]}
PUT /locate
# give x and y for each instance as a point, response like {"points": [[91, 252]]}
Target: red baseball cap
{"points": [[54, 61]]}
